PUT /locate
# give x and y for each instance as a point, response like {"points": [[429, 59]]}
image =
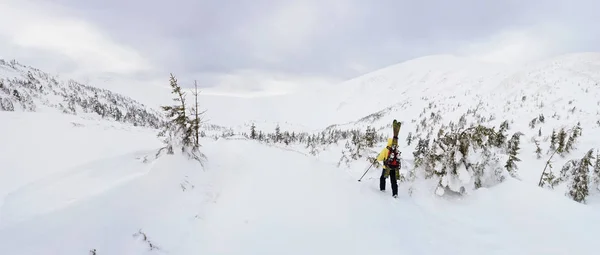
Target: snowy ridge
{"points": [[402, 91], [455, 84], [24, 88]]}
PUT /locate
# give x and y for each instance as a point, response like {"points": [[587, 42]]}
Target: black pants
{"points": [[392, 181]]}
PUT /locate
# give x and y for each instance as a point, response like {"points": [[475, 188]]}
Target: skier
{"points": [[390, 157]]}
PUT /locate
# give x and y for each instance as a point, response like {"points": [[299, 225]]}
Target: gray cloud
{"points": [[326, 38]]}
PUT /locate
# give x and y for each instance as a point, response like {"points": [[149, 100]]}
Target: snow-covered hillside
{"points": [[404, 90], [262, 199], [73, 184], [25, 88], [426, 94]]}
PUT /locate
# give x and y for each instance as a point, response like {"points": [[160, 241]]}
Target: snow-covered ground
{"points": [[250, 198], [70, 184], [36, 145]]}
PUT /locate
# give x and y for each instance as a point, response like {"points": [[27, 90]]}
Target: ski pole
{"points": [[366, 171]]}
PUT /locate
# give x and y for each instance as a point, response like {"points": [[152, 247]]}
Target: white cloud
{"points": [[291, 27], [256, 83], [519, 46], [26, 27]]}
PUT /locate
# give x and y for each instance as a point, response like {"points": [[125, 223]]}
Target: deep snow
{"points": [[256, 199], [70, 184]]}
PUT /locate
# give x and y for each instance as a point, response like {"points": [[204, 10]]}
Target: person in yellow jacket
{"points": [[390, 157]]}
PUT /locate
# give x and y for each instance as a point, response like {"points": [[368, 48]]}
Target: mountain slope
{"points": [[450, 81], [24, 88], [94, 183], [404, 90], [36, 145], [172, 206], [535, 100]]}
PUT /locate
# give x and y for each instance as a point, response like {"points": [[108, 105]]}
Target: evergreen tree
{"points": [[277, 134], [573, 137], [178, 130], [538, 150], [569, 144], [501, 136], [578, 188], [286, 137], [577, 130], [533, 122], [178, 123], [553, 139], [420, 152], [253, 131], [513, 150], [562, 135], [370, 136], [597, 171], [409, 138]]}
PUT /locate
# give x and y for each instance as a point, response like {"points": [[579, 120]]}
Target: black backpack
{"points": [[393, 159]]}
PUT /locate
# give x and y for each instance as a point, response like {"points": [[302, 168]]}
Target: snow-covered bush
{"points": [[581, 176], [464, 159]]}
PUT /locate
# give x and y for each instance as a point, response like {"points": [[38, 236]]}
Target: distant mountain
{"points": [[25, 88], [566, 87]]}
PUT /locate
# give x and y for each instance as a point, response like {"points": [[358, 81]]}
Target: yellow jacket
{"points": [[384, 153]]}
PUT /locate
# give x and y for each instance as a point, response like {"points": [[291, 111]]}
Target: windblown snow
{"points": [[70, 184]]}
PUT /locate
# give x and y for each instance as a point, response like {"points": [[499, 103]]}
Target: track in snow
{"points": [[256, 199], [277, 202]]}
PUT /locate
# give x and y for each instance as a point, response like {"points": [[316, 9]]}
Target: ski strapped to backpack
{"points": [[393, 159]]}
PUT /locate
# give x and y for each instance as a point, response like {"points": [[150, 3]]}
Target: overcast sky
{"points": [[280, 45]]}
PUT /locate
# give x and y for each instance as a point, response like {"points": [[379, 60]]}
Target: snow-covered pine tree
{"points": [[178, 131], [277, 137], [569, 144], [577, 130], [314, 150], [261, 136], [596, 177], [578, 188], [466, 159], [562, 135], [548, 179], [345, 154], [538, 150], [286, 138], [575, 133], [553, 139], [420, 152], [513, 151], [501, 136], [253, 131], [409, 138], [370, 137], [533, 122]]}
